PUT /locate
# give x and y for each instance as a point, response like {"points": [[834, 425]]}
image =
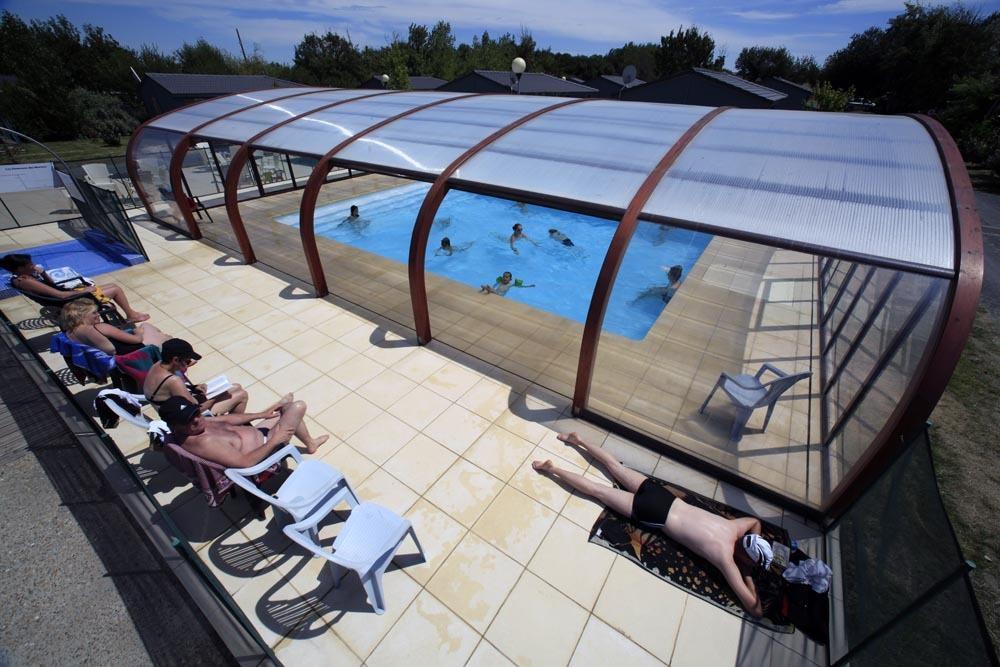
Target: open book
{"points": [[216, 386]]}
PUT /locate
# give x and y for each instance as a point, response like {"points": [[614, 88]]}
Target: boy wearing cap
{"points": [[168, 378], [734, 546], [230, 440]]}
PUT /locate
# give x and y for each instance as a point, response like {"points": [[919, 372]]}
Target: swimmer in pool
{"points": [[517, 236], [447, 248], [503, 284], [665, 292], [556, 235], [354, 220]]}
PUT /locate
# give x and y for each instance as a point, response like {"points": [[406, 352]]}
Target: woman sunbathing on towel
{"points": [[734, 546]]}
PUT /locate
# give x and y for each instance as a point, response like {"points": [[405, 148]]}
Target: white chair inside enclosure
{"points": [[309, 486], [366, 544]]}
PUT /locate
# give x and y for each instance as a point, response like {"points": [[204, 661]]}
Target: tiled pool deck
{"points": [[442, 438]]}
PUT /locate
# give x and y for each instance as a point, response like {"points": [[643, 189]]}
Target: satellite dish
{"points": [[628, 75]]}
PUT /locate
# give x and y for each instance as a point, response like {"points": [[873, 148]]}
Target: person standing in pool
{"points": [[665, 292], [517, 236], [556, 235], [354, 220], [447, 248], [503, 284]]}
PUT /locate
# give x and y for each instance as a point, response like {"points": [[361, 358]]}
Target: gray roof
{"points": [[536, 82], [208, 85], [779, 79], [742, 84], [617, 80], [426, 82]]}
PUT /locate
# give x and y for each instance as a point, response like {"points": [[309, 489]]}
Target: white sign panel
{"points": [[23, 177]]}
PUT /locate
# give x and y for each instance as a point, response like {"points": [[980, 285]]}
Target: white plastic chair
{"points": [[310, 485], [139, 420], [366, 544], [97, 174]]}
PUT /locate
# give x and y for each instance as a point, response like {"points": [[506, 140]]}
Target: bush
{"points": [[101, 116]]}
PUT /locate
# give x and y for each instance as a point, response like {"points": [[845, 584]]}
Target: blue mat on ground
{"points": [[91, 256]]}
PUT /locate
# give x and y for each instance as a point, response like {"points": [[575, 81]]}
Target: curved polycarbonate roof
{"points": [[855, 185]]}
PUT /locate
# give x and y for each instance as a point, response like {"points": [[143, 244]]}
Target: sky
{"points": [[805, 27]]}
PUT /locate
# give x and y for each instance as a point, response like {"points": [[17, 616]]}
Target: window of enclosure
{"points": [[511, 283], [690, 312], [201, 174], [152, 151], [275, 172]]}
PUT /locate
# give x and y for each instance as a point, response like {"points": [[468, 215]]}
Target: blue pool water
{"points": [[564, 276]]}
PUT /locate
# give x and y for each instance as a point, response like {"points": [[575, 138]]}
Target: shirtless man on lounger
{"points": [[734, 546], [230, 440]]}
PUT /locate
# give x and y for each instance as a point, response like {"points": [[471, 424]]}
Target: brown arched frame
{"points": [[239, 160], [429, 208]]}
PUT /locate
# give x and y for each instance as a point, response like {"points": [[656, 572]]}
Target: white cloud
{"points": [[869, 6], [755, 15]]}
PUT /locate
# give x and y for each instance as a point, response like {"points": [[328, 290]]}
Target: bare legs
{"points": [[151, 335], [117, 294], [291, 422], [617, 499], [233, 401]]}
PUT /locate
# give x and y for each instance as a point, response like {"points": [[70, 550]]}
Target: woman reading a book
{"points": [[169, 378]]}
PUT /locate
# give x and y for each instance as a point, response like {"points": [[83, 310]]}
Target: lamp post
{"points": [[385, 80], [517, 67]]}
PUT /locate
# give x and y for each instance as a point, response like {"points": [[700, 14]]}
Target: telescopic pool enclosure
{"points": [[844, 246]]}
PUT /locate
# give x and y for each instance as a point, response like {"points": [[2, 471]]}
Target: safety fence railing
{"points": [[902, 592]]}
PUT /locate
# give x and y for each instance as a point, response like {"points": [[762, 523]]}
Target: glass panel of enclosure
{"points": [[152, 151], [710, 306], [302, 167], [596, 151], [429, 140], [222, 153], [202, 175], [185, 120], [319, 132], [872, 186], [529, 322], [275, 174]]}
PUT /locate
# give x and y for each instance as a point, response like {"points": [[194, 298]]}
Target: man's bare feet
{"points": [[571, 439], [543, 466], [316, 443]]}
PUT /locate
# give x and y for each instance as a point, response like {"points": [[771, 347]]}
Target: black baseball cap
{"points": [[177, 347], [178, 410]]}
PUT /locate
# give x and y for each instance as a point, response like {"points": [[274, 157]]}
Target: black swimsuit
{"points": [[198, 395], [651, 504]]}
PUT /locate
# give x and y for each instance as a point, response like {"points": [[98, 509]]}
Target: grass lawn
{"points": [[965, 440], [77, 149]]}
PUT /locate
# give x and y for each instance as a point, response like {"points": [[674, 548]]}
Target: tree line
{"points": [[62, 82]]}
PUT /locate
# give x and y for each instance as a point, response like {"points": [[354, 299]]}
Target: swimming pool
{"points": [[564, 276]]}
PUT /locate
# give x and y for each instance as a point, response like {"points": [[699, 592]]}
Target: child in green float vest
{"points": [[502, 284]]}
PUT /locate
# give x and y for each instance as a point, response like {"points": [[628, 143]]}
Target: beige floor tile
{"points": [[386, 388], [321, 393], [263, 321], [308, 341], [347, 415], [283, 331], [451, 381], [708, 636], [329, 356], [428, 633], [529, 430], [487, 399], [381, 438], [515, 523], [499, 452], [292, 377], [315, 646], [246, 348], [358, 370], [438, 533], [273, 605], [420, 462], [353, 464], [419, 407], [457, 428], [387, 491], [418, 365], [474, 581], [541, 487], [464, 491], [566, 560], [358, 338], [348, 610], [267, 363], [537, 625], [602, 645], [487, 655], [641, 606]]}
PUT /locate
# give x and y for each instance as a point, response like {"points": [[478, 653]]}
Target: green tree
{"points": [[827, 98], [328, 60], [440, 58], [805, 70], [643, 56], [102, 116], [204, 58], [685, 49], [757, 62], [399, 78]]}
